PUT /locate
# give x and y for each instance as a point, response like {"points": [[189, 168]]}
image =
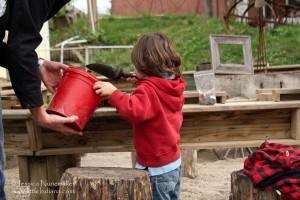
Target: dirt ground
{"points": [[212, 183]]}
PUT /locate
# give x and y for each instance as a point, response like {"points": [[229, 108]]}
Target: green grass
{"points": [[189, 33]]}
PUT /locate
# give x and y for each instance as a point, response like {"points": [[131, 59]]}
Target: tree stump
{"points": [[242, 188], [94, 183]]}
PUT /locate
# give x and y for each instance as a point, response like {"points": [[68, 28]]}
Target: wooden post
{"points": [[133, 159], [34, 135], [105, 183], [189, 163], [242, 189], [93, 14], [295, 124], [43, 173]]}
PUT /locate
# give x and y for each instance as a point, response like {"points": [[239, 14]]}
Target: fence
{"points": [[81, 56]]}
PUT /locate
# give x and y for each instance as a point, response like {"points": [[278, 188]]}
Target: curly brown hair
{"points": [[154, 53]]}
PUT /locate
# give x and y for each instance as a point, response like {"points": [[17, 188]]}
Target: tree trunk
{"points": [[242, 188], [105, 183]]}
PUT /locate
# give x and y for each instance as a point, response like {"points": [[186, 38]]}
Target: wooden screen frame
{"points": [[219, 68]]}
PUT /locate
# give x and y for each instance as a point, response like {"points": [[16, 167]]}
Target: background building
{"points": [[214, 8]]}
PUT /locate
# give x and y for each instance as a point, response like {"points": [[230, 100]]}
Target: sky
{"points": [[103, 5]]}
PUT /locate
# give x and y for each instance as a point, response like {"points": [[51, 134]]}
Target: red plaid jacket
{"points": [[277, 167]]}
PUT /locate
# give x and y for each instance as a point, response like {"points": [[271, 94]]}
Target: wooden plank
{"points": [[11, 161], [278, 94], [38, 179], [107, 132], [265, 90], [232, 144], [295, 124], [234, 106], [221, 97], [15, 124], [286, 91], [239, 106], [243, 125], [16, 114], [275, 97], [184, 146], [9, 102], [34, 135], [7, 92], [56, 166], [244, 116], [190, 93], [234, 133], [189, 108], [289, 97], [284, 67], [192, 97], [23, 169], [96, 138], [133, 158], [239, 117], [18, 151], [43, 173], [88, 149], [16, 140], [6, 86], [264, 97], [235, 100]]}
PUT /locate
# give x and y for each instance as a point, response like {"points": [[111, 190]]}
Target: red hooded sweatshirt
{"points": [[155, 111]]}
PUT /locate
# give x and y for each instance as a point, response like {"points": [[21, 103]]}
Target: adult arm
{"points": [[27, 18]]}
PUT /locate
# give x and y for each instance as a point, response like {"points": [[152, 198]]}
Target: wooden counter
{"points": [[220, 125], [44, 154]]}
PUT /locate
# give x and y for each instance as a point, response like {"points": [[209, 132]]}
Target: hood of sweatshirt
{"points": [[169, 92]]}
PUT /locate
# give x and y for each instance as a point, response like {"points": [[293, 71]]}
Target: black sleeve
{"points": [[3, 47], [3, 51], [26, 20]]}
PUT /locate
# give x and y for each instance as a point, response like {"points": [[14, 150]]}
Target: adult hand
{"points": [[104, 89], [51, 73], [54, 122]]}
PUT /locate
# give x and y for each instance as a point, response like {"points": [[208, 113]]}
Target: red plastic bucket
{"points": [[75, 96]]}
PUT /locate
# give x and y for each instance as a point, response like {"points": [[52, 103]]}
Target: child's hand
{"points": [[104, 88], [132, 79]]}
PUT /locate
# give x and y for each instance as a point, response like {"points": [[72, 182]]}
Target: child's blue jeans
{"points": [[166, 186]]}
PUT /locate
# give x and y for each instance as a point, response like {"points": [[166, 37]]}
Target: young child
{"points": [[155, 111]]}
